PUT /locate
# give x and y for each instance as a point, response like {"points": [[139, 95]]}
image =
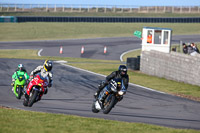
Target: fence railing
{"points": [[97, 8]]}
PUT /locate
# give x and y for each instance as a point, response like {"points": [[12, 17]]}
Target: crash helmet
{"points": [[48, 65], [122, 70], [21, 67]]}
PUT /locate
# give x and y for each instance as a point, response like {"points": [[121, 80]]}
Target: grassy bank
{"points": [[18, 121], [53, 31]]}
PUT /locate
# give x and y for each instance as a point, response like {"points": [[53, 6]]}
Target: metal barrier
{"points": [[108, 19]]}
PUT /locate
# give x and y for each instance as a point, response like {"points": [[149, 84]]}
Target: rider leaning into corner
{"points": [[45, 70], [121, 73]]}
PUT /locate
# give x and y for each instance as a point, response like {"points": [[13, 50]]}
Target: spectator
{"points": [[185, 48], [195, 47], [149, 38], [191, 51]]}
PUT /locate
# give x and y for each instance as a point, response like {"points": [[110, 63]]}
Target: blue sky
{"points": [[110, 2]]}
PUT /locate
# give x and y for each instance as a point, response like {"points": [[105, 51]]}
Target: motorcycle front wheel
{"points": [[108, 104], [19, 92], [33, 97], [94, 110]]}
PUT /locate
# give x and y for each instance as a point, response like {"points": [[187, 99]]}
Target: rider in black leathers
{"points": [[121, 73]]}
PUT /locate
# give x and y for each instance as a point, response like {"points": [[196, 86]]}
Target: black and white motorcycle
{"points": [[109, 96]]}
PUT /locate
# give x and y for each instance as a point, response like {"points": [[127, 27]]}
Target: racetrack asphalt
{"points": [[93, 48], [73, 89]]}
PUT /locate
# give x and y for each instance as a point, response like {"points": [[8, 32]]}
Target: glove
{"points": [[31, 77], [12, 84]]}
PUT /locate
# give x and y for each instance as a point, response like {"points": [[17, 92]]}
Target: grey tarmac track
{"points": [[93, 48], [72, 94]]}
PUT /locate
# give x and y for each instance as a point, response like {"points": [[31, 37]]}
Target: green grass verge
{"points": [[18, 121], [53, 31]]}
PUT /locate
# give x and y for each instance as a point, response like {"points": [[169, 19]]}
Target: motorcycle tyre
{"points": [[19, 93], [94, 110], [25, 103], [110, 106], [32, 99]]}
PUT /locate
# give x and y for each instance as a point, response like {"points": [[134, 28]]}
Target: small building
{"points": [[154, 38]]}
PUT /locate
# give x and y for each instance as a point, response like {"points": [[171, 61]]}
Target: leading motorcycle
{"points": [[35, 89], [109, 96]]}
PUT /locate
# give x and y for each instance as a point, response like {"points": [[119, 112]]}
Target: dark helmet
{"points": [[122, 70], [21, 67], [48, 65]]}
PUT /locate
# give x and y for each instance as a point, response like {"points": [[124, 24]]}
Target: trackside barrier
{"points": [[108, 19], [6, 19]]}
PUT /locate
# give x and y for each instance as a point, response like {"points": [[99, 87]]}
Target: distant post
{"points": [[55, 8], [47, 8], [63, 8], [15, 8], [96, 9], [8, 8]]}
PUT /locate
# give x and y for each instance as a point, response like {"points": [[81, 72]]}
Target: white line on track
{"points": [[121, 56], [40, 52]]}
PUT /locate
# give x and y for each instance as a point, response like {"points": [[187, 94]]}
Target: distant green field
{"points": [[53, 31]]}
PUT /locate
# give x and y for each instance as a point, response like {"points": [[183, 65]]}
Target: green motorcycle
{"points": [[19, 86]]}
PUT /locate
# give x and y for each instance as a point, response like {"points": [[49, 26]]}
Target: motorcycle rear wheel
{"points": [[109, 105]]}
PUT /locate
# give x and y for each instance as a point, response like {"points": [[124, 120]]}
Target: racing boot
{"points": [[45, 91], [100, 87]]}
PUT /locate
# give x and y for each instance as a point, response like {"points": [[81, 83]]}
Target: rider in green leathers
{"points": [[21, 71]]}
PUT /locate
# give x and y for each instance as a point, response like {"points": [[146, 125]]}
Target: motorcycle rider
{"points": [[121, 74], [45, 70], [21, 71]]}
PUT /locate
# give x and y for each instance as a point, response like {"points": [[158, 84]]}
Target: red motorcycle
{"points": [[35, 89]]}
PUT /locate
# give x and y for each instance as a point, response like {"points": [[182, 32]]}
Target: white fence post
{"points": [[47, 8], [8, 8], [71, 9], [164, 10], [55, 8], [63, 8], [181, 9], [97, 9], [15, 8]]}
